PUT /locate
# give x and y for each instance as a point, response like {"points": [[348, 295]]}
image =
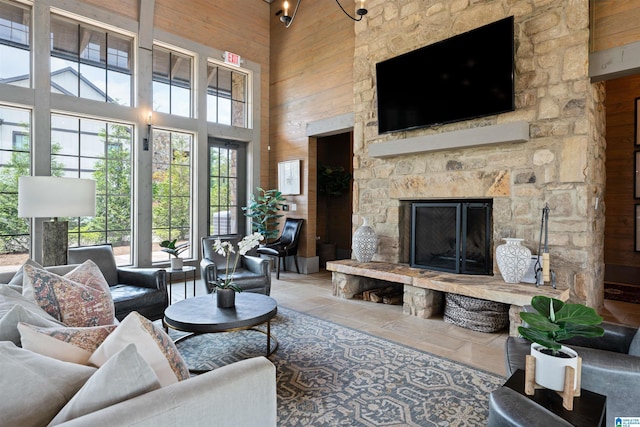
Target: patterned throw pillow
{"points": [[73, 303], [64, 343], [153, 344]]}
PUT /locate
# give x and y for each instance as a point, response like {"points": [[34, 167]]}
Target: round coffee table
{"points": [[201, 315]]}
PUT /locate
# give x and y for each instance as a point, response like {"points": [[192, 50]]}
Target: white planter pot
{"points": [[513, 260], [176, 263], [550, 370]]}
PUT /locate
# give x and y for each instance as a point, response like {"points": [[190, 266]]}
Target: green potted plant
{"points": [[263, 211], [333, 181], [556, 321], [225, 288], [170, 247]]}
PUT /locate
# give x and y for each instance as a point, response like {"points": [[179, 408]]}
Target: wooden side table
{"points": [[185, 271], [588, 410]]}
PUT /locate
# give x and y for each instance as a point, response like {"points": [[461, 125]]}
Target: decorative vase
{"points": [[550, 369], [513, 260], [226, 298], [364, 242], [176, 263]]}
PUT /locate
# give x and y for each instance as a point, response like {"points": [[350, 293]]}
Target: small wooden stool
{"points": [[568, 392]]}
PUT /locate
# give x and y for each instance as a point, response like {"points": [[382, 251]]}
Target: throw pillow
{"points": [[124, 376], [74, 304], [16, 280], [36, 387], [64, 343], [9, 322], [15, 308], [153, 344]]}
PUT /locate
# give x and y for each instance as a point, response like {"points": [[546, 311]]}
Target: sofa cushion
{"points": [[40, 386], [15, 308], [153, 344], [73, 303], [124, 376], [64, 343], [102, 255], [634, 348]]}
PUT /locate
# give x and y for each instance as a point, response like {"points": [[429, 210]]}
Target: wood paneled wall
{"points": [[614, 23], [619, 198], [311, 79]]}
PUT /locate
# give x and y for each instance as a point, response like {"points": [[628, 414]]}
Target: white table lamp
{"points": [[53, 197]]}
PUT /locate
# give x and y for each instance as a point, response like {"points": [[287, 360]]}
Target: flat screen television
{"points": [[466, 76]]}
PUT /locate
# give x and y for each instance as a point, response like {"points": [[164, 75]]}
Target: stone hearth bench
{"points": [[424, 289]]}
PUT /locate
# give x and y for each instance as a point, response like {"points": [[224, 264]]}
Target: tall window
{"points": [[99, 150], [15, 161], [226, 169], [15, 29], [172, 82], [171, 186], [90, 62], [226, 96]]}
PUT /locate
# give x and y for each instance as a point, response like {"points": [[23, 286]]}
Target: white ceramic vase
{"points": [[176, 263], [364, 242], [513, 260], [550, 370]]}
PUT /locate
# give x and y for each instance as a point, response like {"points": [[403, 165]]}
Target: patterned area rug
{"points": [[330, 375]]}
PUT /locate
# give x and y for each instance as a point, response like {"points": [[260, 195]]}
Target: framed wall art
{"points": [[289, 177]]}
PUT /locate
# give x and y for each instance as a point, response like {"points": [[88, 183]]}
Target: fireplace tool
{"points": [[543, 273]]}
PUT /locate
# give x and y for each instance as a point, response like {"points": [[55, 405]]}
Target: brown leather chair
{"points": [[286, 245], [133, 289]]}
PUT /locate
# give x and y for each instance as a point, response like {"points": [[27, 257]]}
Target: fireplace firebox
{"points": [[452, 236]]}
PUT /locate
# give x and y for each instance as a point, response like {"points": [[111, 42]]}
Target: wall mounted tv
{"points": [[466, 76]]}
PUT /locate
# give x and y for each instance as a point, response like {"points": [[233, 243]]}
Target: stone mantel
{"points": [[514, 132]]}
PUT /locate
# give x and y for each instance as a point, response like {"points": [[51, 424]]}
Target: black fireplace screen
{"points": [[452, 236]]}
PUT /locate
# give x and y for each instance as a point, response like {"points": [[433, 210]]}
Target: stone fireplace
{"points": [[559, 161]]}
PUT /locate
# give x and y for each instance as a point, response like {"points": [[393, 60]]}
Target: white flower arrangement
{"points": [[226, 249]]}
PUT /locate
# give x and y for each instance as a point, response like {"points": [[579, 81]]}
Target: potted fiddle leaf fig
{"points": [[264, 212], [556, 321], [172, 248]]}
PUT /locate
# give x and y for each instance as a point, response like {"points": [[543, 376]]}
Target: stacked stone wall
{"points": [[562, 164]]}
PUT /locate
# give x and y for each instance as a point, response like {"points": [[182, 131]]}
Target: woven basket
{"points": [[476, 314]]}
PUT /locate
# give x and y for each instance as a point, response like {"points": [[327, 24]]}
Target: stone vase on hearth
{"points": [[513, 260], [364, 242]]}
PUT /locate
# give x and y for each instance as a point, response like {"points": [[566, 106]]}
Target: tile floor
{"points": [[311, 294]]}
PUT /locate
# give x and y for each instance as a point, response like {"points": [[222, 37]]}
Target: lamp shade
{"points": [[50, 196]]}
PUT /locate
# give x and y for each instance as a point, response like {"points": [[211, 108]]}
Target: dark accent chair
{"points": [[133, 289], [252, 274], [607, 369], [286, 245]]}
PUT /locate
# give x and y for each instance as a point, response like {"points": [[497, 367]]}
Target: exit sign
{"points": [[232, 59]]}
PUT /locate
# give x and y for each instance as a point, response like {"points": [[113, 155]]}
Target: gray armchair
{"points": [[133, 289], [253, 274], [607, 369]]}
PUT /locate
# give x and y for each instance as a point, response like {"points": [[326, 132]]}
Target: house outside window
{"points": [[172, 188], [227, 96], [89, 62], [15, 44], [15, 161], [172, 82], [98, 150]]}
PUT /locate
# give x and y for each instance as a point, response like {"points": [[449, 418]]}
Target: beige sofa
{"points": [[240, 394]]}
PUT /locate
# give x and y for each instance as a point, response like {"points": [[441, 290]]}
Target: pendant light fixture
{"points": [[288, 19]]}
